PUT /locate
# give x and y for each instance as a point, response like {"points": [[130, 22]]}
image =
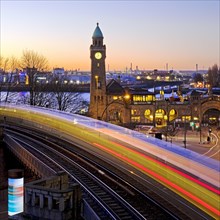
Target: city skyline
{"points": [[148, 34]]}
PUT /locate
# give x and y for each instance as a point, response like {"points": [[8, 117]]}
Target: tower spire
{"points": [[98, 75]]}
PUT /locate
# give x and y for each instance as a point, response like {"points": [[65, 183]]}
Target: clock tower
{"points": [[98, 75]]}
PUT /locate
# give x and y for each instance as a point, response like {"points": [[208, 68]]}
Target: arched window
{"points": [[172, 114]]}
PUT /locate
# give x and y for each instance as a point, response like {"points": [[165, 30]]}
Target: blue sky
{"points": [[147, 34]]}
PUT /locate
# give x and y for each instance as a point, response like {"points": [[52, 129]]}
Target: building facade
{"points": [[111, 102]]}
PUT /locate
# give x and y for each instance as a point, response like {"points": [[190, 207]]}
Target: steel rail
{"points": [[173, 215], [103, 201]]}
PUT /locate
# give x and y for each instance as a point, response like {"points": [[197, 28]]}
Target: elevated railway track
{"points": [[179, 180], [112, 196]]}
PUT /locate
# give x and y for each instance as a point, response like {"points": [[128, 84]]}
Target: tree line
{"points": [[33, 63], [28, 59]]}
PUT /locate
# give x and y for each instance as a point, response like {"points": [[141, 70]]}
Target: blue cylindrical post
{"points": [[15, 191]]}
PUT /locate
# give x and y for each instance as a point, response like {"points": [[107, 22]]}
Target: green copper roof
{"points": [[97, 32]]}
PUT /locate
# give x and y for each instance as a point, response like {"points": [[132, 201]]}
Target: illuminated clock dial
{"points": [[98, 55]]}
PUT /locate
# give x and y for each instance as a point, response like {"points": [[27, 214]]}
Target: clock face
{"points": [[98, 55]]}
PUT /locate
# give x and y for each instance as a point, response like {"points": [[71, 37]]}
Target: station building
{"points": [[111, 102]]}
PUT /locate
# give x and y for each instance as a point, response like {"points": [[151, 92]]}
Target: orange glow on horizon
{"points": [[112, 63]]}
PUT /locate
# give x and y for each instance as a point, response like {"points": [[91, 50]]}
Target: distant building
{"points": [[58, 71]]}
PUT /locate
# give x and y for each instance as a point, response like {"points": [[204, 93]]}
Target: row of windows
{"points": [[136, 119], [116, 97], [143, 98], [97, 43], [148, 112]]}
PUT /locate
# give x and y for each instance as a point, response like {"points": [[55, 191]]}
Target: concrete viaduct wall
{"points": [[32, 162]]}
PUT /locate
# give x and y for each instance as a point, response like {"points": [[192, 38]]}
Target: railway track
{"points": [[112, 195]]}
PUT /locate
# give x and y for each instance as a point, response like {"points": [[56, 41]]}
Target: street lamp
{"points": [[184, 141], [187, 111], [167, 118]]}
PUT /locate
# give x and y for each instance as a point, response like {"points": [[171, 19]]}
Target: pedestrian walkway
{"points": [[194, 138]]}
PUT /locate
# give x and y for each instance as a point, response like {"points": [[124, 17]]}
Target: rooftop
{"points": [[97, 33]]}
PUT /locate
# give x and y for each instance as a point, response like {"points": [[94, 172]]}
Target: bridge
{"points": [[192, 180]]}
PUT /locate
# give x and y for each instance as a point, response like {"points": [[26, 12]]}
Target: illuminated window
{"points": [[172, 112], [147, 113], [160, 111], [136, 119], [149, 98], [187, 118], [135, 112], [143, 98]]}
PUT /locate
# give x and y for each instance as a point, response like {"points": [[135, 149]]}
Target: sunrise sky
{"points": [[147, 34]]}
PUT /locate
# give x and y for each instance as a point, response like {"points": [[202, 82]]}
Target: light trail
{"points": [[173, 169], [162, 179]]}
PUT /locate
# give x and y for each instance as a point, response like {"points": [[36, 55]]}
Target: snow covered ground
{"points": [[76, 102]]}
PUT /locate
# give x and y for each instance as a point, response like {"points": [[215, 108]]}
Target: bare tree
{"points": [[198, 77], [214, 76], [13, 66], [1, 62], [4, 63], [62, 97], [32, 59], [70, 101], [33, 62], [43, 99]]}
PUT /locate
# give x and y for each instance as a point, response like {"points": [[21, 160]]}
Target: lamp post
{"points": [[184, 141], [200, 121], [167, 118], [187, 111]]}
